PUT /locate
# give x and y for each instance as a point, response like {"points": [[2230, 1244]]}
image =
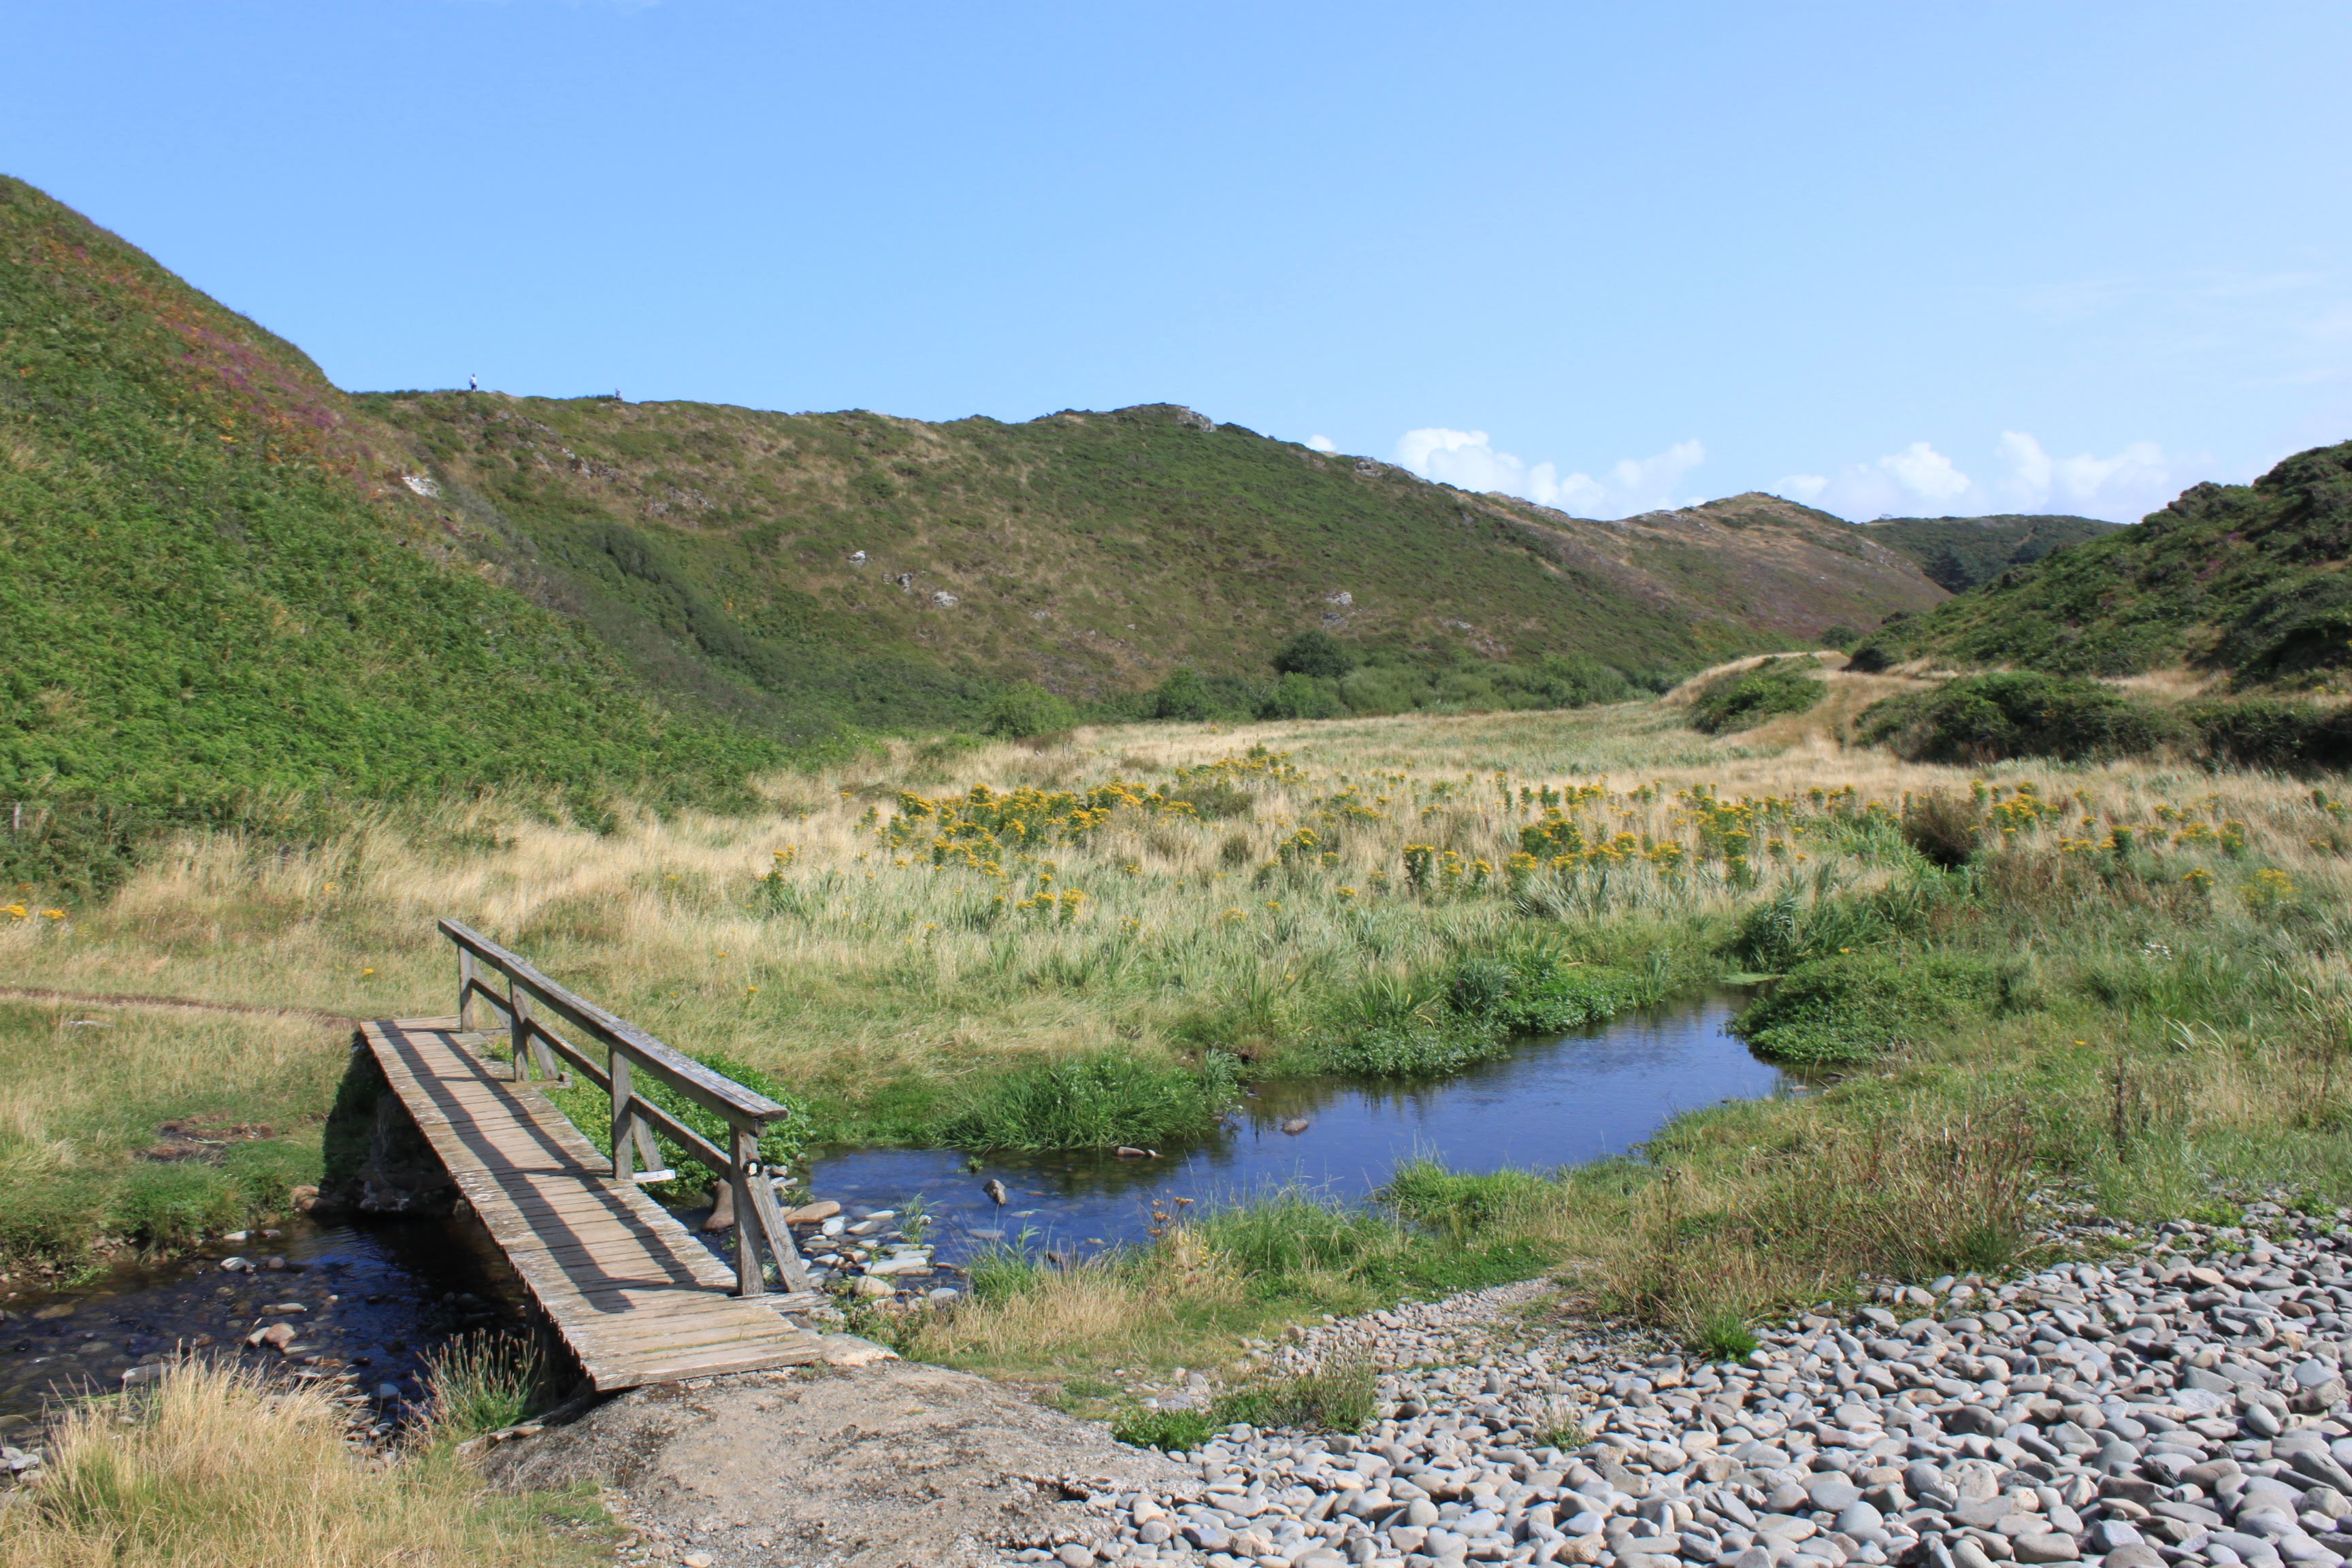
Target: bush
{"points": [[1855, 1007], [1743, 698], [1296, 696], [1943, 827], [1183, 695], [1988, 718], [1315, 654], [1472, 1012], [1096, 1101], [1023, 712], [2257, 733]]}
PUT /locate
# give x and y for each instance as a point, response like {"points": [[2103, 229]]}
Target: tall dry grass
{"points": [[214, 1470]]}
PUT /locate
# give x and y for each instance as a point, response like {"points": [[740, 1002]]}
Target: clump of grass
{"points": [[1723, 1335], [1171, 1431], [213, 1466], [1899, 1199], [482, 1383], [1741, 700], [1337, 1396], [1097, 1100]]}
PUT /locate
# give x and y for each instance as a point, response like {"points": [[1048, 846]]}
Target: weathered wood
{"points": [[634, 1118], [636, 1296]]}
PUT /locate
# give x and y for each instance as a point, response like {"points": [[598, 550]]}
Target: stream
{"points": [[374, 1298], [1584, 1097]]}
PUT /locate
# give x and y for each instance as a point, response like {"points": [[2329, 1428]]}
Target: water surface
{"points": [[1561, 1102]]}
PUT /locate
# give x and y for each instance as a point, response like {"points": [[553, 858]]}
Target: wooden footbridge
{"points": [[636, 1296]]}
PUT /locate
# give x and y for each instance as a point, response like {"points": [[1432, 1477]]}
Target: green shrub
{"points": [[1473, 1011], [1171, 1431], [1743, 698], [1095, 1101], [2261, 733], [1301, 696], [1315, 653], [1988, 718], [1024, 712], [1855, 1007], [1183, 695], [482, 1383]]}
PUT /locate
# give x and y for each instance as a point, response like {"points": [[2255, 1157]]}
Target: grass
{"points": [[904, 963], [482, 1383], [215, 1469], [151, 1128]]}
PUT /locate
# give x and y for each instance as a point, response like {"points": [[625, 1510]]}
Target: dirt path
{"points": [[97, 999], [892, 1464]]}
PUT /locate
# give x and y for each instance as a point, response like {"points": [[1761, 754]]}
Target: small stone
{"points": [[276, 1336], [697, 1560], [814, 1213], [1296, 1125], [283, 1309], [867, 1285], [138, 1377], [1074, 1555]]}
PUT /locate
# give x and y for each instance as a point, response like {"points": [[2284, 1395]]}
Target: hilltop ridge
{"points": [[2246, 580]]}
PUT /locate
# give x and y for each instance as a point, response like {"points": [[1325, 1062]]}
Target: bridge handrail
{"points": [[759, 1223]]}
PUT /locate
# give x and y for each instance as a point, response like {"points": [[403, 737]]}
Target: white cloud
{"points": [[2129, 485], [1322, 443], [1467, 459], [1919, 481]]}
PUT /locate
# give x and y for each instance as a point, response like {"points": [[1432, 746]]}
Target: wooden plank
{"points": [[637, 1297]]}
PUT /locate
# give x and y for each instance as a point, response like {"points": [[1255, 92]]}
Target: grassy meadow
{"points": [[2122, 982]]}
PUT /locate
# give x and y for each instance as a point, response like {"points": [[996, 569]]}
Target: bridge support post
{"points": [[466, 979]]}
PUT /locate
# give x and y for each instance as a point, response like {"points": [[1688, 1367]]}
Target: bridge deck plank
{"points": [[636, 1296]]}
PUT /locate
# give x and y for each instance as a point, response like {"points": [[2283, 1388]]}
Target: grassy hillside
{"points": [[895, 573], [2243, 579], [1962, 553], [219, 595]]}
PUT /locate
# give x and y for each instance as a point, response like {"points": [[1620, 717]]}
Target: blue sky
{"points": [[1891, 258]]}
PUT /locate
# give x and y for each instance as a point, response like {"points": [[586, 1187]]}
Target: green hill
{"points": [[235, 592], [1962, 553], [2245, 579], [218, 592], [892, 573]]}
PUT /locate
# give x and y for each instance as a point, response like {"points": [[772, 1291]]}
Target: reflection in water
{"points": [[1561, 1103]]}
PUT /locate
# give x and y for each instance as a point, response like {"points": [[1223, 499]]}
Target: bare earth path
{"points": [[892, 1464]]}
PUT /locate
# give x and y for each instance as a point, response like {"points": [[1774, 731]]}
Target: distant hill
{"points": [[891, 572], [217, 590], [2243, 579], [1962, 553], [231, 588]]}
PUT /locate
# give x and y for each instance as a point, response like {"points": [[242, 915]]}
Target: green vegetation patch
{"points": [[1099, 1100], [2246, 579], [1855, 1007], [1741, 700], [1987, 718]]}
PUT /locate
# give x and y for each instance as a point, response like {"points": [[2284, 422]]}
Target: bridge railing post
{"points": [[624, 1121], [466, 979], [751, 1267]]}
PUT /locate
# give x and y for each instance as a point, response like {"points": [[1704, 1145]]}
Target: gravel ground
{"points": [[2182, 1402]]}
